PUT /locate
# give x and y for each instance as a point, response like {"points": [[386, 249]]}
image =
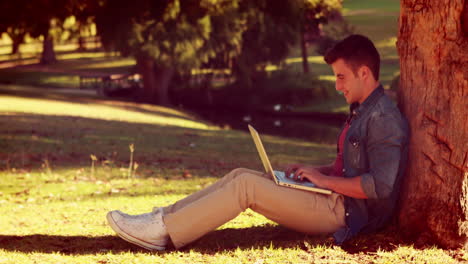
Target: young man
{"points": [[364, 178]]}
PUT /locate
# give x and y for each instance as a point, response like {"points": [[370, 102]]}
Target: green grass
{"points": [[381, 5], [65, 73], [54, 202]]}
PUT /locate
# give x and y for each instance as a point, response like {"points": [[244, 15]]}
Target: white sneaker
{"points": [[145, 230]]}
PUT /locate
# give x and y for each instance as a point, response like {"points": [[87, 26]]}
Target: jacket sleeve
{"points": [[386, 136]]}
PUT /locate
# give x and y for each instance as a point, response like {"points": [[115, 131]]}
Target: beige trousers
{"points": [[207, 209]]}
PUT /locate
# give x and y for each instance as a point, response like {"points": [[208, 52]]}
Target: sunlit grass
{"points": [[381, 5], [13, 104], [110, 63], [310, 59], [81, 55], [411, 255], [64, 206], [331, 78], [386, 43]]}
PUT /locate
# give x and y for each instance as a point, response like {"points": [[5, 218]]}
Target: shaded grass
{"points": [[381, 5], [56, 203], [66, 72]]}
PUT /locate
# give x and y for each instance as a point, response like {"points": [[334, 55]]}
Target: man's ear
{"points": [[363, 72]]}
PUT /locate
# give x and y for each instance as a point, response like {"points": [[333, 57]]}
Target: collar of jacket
{"points": [[356, 109]]}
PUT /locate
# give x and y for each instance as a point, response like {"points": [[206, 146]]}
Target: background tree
{"points": [[433, 45], [42, 17], [15, 21], [271, 31], [167, 36], [173, 36], [38, 18], [315, 13], [84, 12]]}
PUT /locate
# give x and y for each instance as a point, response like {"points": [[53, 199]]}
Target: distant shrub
{"points": [[395, 84], [332, 33], [293, 88], [278, 87]]}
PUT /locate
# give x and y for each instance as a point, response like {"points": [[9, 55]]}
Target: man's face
{"points": [[347, 82]]}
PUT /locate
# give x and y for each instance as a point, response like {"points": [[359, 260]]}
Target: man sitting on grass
{"points": [[365, 177]]}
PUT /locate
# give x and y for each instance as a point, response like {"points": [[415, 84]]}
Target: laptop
{"points": [[279, 176]]}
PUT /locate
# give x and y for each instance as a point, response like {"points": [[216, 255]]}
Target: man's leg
{"points": [[215, 186], [304, 211], [148, 230]]}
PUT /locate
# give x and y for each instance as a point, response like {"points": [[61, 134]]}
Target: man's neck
{"points": [[369, 90]]}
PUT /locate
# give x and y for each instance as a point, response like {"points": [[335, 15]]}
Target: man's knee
{"points": [[238, 171], [243, 187]]}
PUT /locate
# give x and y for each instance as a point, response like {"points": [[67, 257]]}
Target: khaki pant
{"points": [[207, 209]]}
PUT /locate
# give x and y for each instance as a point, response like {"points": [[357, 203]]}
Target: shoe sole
{"points": [[130, 238]]}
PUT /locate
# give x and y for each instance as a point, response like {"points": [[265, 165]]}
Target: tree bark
{"points": [[146, 68], [81, 38], [156, 80], [163, 77], [48, 53], [17, 40], [15, 47], [433, 44], [305, 63]]}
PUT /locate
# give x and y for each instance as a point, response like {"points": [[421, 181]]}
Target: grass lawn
{"points": [[54, 197], [65, 73]]}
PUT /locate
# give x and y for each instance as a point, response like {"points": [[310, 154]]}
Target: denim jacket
{"points": [[375, 148]]}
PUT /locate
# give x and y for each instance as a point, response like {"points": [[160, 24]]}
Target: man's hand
{"points": [[311, 174], [291, 168], [301, 171], [346, 186]]}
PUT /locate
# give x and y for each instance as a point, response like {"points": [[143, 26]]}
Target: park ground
{"points": [[67, 159], [66, 165]]}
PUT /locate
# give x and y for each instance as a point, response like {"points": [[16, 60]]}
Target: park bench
{"points": [[109, 84]]}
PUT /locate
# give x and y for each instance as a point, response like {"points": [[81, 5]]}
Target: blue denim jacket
{"points": [[375, 148]]}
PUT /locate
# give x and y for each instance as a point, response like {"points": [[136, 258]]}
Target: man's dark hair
{"points": [[356, 51]]}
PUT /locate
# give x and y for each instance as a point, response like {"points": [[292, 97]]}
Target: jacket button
{"points": [[347, 214], [344, 170]]}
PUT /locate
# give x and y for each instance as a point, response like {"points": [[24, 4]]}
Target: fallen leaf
{"points": [[187, 174]]}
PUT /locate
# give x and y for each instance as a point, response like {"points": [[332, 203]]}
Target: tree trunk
{"points": [[305, 63], [433, 45], [81, 43], [146, 68], [15, 47], [48, 53], [156, 80], [163, 77], [17, 40], [81, 39]]}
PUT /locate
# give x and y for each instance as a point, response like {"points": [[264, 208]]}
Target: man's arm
{"points": [[324, 169], [327, 169], [347, 186], [386, 139]]}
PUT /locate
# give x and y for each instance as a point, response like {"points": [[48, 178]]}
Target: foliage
{"points": [[333, 32], [277, 87], [15, 21], [316, 13], [271, 31], [175, 34], [395, 84], [43, 18], [297, 89]]}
